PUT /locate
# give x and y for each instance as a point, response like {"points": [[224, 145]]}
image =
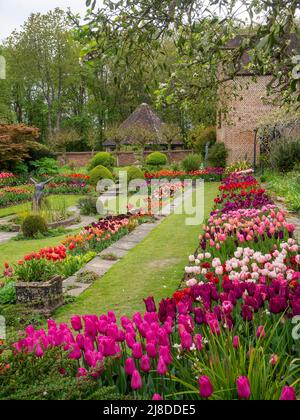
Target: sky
{"points": [[13, 13]]}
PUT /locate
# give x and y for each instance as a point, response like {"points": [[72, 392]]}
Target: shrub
{"points": [[134, 173], [98, 173], [200, 136], [8, 293], [87, 205], [103, 159], [156, 159], [285, 154], [34, 224], [191, 163], [217, 155], [44, 166]]}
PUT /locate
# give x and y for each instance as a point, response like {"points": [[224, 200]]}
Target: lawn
{"points": [[70, 200], [154, 267]]}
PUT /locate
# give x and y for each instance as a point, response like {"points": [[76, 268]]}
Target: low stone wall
{"points": [[124, 158]]}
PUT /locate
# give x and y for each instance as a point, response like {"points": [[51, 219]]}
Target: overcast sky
{"points": [[13, 13]]}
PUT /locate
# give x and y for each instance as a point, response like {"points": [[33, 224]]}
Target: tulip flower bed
{"points": [[14, 195], [226, 334], [207, 174], [69, 184]]}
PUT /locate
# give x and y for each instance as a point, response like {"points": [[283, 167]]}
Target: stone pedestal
{"points": [[44, 297]]}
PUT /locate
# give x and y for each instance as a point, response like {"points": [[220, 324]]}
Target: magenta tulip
{"points": [[243, 388], [260, 333], [157, 397], [236, 342], [136, 380], [205, 387], [288, 394], [151, 350], [161, 366], [76, 323], [129, 366], [145, 364], [137, 350]]}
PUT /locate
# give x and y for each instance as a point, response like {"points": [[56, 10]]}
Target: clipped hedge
{"points": [[156, 159], [104, 159], [99, 173], [134, 173]]}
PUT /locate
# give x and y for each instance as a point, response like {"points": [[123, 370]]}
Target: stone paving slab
{"points": [[114, 250], [98, 265], [7, 236], [78, 291]]}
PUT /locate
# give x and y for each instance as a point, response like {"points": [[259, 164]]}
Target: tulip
{"points": [[288, 394], [198, 342], [274, 359], [151, 350], [260, 333], [186, 340], [236, 342], [137, 350], [39, 352], [76, 323], [164, 352], [129, 366], [136, 380], [150, 304], [145, 364], [243, 388], [157, 397], [205, 387], [81, 372], [75, 354], [161, 366]]}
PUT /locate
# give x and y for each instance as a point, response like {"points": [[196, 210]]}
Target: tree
{"points": [[116, 135], [42, 61], [169, 134], [201, 32]]}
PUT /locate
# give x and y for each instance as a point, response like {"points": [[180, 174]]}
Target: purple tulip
{"points": [[150, 304]]}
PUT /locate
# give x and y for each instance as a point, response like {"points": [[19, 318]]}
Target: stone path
{"points": [[101, 264]]}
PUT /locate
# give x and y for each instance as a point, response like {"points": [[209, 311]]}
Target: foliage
{"points": [[199, 136], [115, 135], [87, 205], [238, 166], [134, 173], [170, 134], [99, 173], [34, 224], [74, 263], [45, 165], [285, 154], [156, 159], [103, 159], [191, 163], [286, 186], [217, 155], [7, 293]]}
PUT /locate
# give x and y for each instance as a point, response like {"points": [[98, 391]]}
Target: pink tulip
{"points": [[157, 397], [236, 342], [198, 342], [75, 353], [260, 333], [39, 352], [186, 340]]}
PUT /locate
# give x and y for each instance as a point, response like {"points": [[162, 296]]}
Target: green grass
{"points": [[286, 186], [71, 200], [154, 267]]}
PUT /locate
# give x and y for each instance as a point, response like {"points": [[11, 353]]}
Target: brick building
{"points": [[245, 108], [245, 111]]}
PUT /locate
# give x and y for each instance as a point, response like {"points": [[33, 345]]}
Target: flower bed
{"points": [[15, 195], [228, 335], [208, 174]]}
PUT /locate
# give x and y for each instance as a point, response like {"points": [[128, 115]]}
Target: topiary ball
{"points": [[134, 173], [102, 158], [156, 159], [33, 225], [99, 173]]}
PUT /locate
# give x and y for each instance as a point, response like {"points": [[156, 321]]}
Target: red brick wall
{"points": [[245, 112], [124, 158]]}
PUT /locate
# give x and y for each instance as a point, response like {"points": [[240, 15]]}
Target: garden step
{"points": [[98, 265]]}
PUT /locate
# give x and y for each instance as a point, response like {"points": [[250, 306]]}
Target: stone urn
{"points": [[44, 297]]}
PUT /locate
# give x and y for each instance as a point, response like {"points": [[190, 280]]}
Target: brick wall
{"points": [[245, 111], [124, 158]]}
